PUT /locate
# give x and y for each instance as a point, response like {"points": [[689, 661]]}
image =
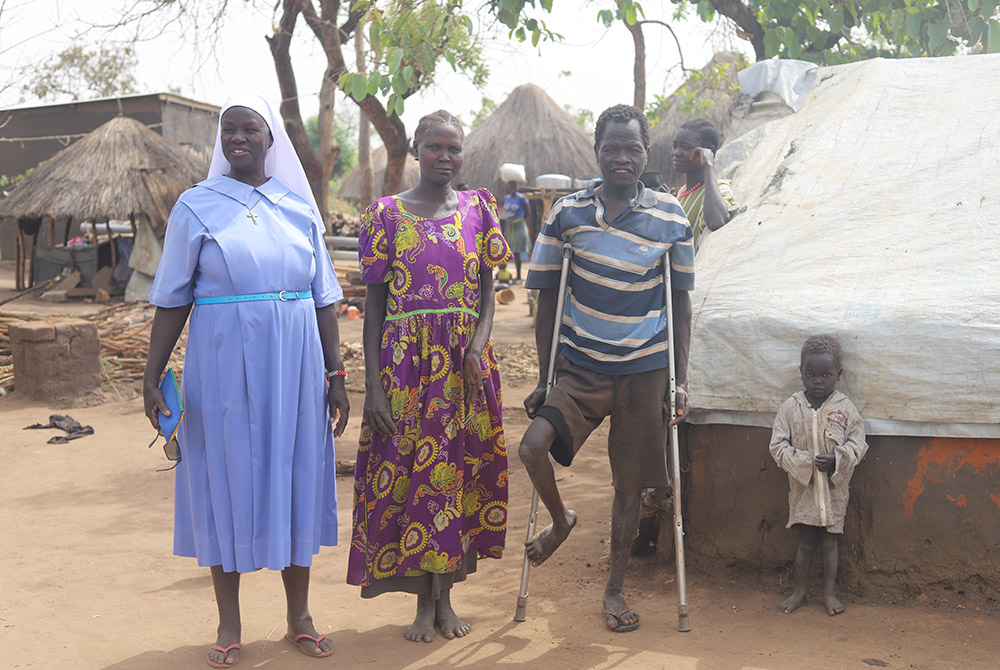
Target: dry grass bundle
{"points": [[350, 188], [120, 169], [529, 129]]}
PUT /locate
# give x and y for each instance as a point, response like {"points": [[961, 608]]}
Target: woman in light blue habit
{"points": [[244, 256]]}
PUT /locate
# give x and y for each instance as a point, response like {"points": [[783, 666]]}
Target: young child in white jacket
{"points": [[818, 439]]}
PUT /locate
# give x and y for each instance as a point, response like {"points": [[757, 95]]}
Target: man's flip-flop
{"points": [[225, 654], [297, 641], [619, 617]]}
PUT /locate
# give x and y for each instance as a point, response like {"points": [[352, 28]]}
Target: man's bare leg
{"points": [[534, 453], [624, 522]]}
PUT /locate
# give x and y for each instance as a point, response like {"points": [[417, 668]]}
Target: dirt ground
{"points": [[87, 579]]}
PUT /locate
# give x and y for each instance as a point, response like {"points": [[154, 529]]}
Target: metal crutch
{"points": [[522, 596], [683, 622]]}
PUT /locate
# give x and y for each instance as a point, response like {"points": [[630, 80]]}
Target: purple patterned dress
{"points": [[431, 499]]}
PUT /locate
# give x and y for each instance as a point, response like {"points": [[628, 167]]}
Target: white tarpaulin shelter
{"points": [[872, 214]]}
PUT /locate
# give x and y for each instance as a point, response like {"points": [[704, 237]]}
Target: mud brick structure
{"points": [[57, 363]]}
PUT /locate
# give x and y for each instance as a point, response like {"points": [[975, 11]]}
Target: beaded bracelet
{"points": [[336, 373]]}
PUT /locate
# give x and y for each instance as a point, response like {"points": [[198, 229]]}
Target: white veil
{"points": [[281, 160]]}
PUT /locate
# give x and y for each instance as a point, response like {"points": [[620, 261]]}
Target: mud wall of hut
{"points": [[922, 517]]}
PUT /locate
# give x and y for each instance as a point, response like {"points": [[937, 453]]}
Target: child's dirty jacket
{"points": [[800, 434]]}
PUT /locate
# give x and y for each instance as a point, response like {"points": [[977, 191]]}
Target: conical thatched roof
{"points": [[530, 129], [122, 168], [705, 85], [350, 188]]}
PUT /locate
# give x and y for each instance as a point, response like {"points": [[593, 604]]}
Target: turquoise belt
{"points": [[283, 296]]}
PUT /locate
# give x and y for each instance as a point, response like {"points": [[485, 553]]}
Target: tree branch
{"points": [[680, 52], [290, 111], [747, 22]]}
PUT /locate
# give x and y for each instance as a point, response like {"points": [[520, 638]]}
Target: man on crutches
{"points": [[613, 358]]}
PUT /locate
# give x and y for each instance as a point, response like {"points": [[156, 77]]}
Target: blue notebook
{"points": [[172, 394]]}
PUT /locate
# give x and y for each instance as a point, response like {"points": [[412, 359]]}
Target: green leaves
{"points": [[838, 31], [912, 23], [937, 35], [359, 88], [394, 59], [993, 37], [835, 17]]}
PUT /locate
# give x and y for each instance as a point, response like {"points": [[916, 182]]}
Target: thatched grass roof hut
{"points": [[530, 129], [121, 170], [714, 85], [350, 188]]}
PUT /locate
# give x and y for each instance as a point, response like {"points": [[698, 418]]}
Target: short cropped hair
{"points": [[622, 114], [438, 118], [823, 344], [708, 134]]}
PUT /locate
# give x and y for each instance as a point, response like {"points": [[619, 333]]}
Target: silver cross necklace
{"points": [[250, 214]]}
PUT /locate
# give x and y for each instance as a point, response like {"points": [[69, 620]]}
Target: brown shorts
{"points": [[579, 401]]}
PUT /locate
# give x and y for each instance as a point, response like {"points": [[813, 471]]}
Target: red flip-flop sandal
{"points": [[225, 654]]}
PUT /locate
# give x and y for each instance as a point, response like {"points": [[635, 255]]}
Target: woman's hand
{"points": [[153, 400], [377, 411], [704, 156], [472, 378], [340, 406]]}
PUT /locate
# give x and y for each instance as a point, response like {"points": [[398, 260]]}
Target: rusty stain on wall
{"points": [[937, 461]]}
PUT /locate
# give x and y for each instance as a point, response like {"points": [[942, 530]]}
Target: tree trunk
{"points": [[330, 37], [639, 68], [364, 134], [393, 134], [290, 112]]}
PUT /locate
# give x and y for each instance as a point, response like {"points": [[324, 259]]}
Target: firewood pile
{"points": [[6, 359], [344, 224], [124, 333]]}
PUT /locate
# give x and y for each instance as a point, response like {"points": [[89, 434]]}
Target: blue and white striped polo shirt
{"points": [[614, 322]]}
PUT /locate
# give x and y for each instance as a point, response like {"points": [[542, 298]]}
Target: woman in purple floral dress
{"points": [[430, 490]]}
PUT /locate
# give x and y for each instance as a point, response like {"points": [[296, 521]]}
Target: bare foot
{"points": [[792, 603], [542, 545], [832, 605], [313, 645], [223, 654], [451, 626], [619, 616], [422, 628]]}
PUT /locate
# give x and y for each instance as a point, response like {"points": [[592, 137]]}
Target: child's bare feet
{"points": [[832, 605], [543, 544], [422, 628], [792, 603], [451, 626]]}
